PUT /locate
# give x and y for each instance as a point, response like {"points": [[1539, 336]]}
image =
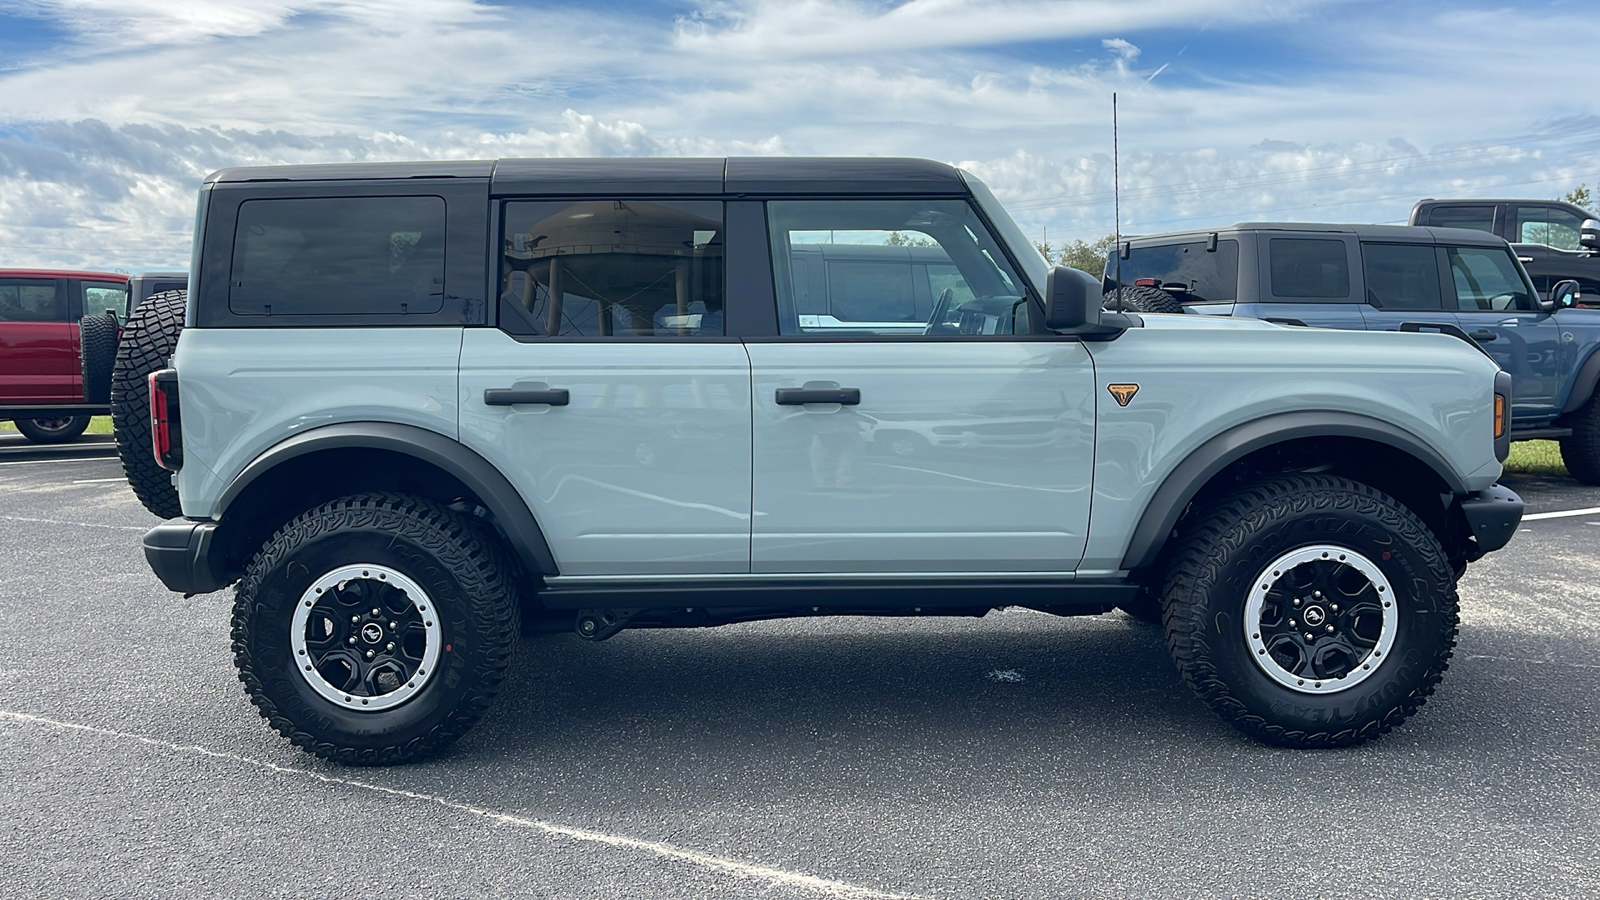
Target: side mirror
{"points": [[1589, 234], [1071, 300], [1564, 294]]}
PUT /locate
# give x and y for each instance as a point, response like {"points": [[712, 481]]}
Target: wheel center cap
{"points": [[1314, 615], [372, 632]]}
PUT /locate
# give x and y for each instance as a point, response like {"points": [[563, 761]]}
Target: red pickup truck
{"points": [[58, 339]]}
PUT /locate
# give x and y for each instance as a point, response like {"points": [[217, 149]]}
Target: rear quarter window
{"points": [[346, 256], [1309, 269], [1188, 271]]}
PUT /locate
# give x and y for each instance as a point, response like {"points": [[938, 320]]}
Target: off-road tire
{"points": [[1215, 568], [52, 431], [97, 339], [1580, 451], [148, 340], [467, 578], [1141, 298]]}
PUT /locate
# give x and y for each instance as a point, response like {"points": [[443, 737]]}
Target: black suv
{"points": [[1554, 240]]}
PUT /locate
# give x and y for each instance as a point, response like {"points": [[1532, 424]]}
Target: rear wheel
{"points": [[52, 431], [1311, 611], [1580, 451], [146, 346], [375, 629]]}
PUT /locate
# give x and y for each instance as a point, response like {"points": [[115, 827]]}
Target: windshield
{"points": [[1034, 266]]}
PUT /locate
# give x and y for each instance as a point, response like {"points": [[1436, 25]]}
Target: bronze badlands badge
{"points": [[1123, 392]]}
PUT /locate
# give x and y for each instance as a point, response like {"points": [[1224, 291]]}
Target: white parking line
{"points": [[1562, 514], [778, 877], [138, 528], [98, 480], [57, 462]]}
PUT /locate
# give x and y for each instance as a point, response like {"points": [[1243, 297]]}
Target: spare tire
{"points": [[97, 340], [146, 346], [1141, 298]]}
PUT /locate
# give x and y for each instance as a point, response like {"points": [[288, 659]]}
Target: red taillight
{"points": [[165, 433]]}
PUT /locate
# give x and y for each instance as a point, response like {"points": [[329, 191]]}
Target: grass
{"points": [[1536, 458], [97, 425]]}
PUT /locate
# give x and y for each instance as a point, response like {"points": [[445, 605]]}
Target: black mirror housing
{"points": [[1071, 300], [1563, 294]]}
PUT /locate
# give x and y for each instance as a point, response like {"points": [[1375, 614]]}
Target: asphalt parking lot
{"points": [[1020, 755]]}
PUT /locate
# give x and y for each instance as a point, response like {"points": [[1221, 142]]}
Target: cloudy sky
{"points": [[111, 111]]}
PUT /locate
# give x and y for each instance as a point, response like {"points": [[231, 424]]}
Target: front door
{"points": [[1497, 308], [966, 447], [609, 395]]}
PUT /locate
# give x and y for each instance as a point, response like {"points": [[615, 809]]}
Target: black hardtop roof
{"points": [[649, 175], [1425, 234]]}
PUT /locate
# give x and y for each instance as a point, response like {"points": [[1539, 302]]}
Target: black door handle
{"points": [[1483, 337], [800, 396], [513, 396]]}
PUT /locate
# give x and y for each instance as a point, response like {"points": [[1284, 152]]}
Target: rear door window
{"points": [[31, 300], [101, 297], [1402, 276], [1310, 269], [348, 256]]}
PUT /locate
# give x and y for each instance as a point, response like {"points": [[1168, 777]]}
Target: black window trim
{"points": [[1355, 275]]}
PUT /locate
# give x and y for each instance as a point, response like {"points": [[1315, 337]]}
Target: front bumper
{"points": [[1493, 516], [184, 556]]}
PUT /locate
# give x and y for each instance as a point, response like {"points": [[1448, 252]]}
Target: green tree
{"points": [[1080, 254], [1579, 196], [901, 239]]}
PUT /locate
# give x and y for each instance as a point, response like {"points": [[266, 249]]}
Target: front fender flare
{"points": [[1197, 469], [501, 498]]}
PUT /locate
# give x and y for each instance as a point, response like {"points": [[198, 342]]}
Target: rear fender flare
{"points": [[497, 494]]}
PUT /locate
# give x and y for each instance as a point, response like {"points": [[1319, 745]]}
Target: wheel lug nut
{"points": [[355, 618], [352, 640], [1317, 594], [377, 612], [389, 646], [1297, 601], [1333, 606], [1309, 637], [1292, 623], [395, 627], [1330, 629], [369, 654]]}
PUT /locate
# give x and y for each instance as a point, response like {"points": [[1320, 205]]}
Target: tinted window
{"points": [[1309, 269], [1549, 226], [1187, 271], [1478, 218], [339, 256], [102, 297], [1487, 279], [1402, 276], [30, 301], [612, 268], [893, 267]]}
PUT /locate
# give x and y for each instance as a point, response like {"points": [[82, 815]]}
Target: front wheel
{"points": [[375, 629], [1311, 611], [52, 431]]}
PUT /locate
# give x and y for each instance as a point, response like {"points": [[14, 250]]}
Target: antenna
{"points": [[1116, 199]]}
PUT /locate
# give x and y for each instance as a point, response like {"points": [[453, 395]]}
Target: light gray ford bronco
{"points": [[416, 407]]}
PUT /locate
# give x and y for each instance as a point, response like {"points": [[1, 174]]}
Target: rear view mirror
{"points": [[1071, 301], [1589, 235], [1564, 294]]}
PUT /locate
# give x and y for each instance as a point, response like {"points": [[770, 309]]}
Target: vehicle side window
{"points": [[1310, 269], [1402, 276], [612, 268], [894, 267], [30, 300], [102, 297], [1549, 226], [1486, 278], [1187, 271], [338, 256], [1478, 218]]}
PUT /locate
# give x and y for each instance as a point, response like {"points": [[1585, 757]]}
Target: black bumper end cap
{"points": [[180, 552], [1493, 515]]}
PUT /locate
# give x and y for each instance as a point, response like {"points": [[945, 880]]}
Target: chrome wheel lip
{"points": [[1269, 576], [385, 575]]}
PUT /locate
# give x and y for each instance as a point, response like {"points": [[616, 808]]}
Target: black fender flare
{"points": [[1200, 466], [1583, 383], [480, 476]]}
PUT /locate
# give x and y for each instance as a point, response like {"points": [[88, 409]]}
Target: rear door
{"points": [[1403, 284], [964, 447], [1306, 276], [609, 394], [38, 342]]}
